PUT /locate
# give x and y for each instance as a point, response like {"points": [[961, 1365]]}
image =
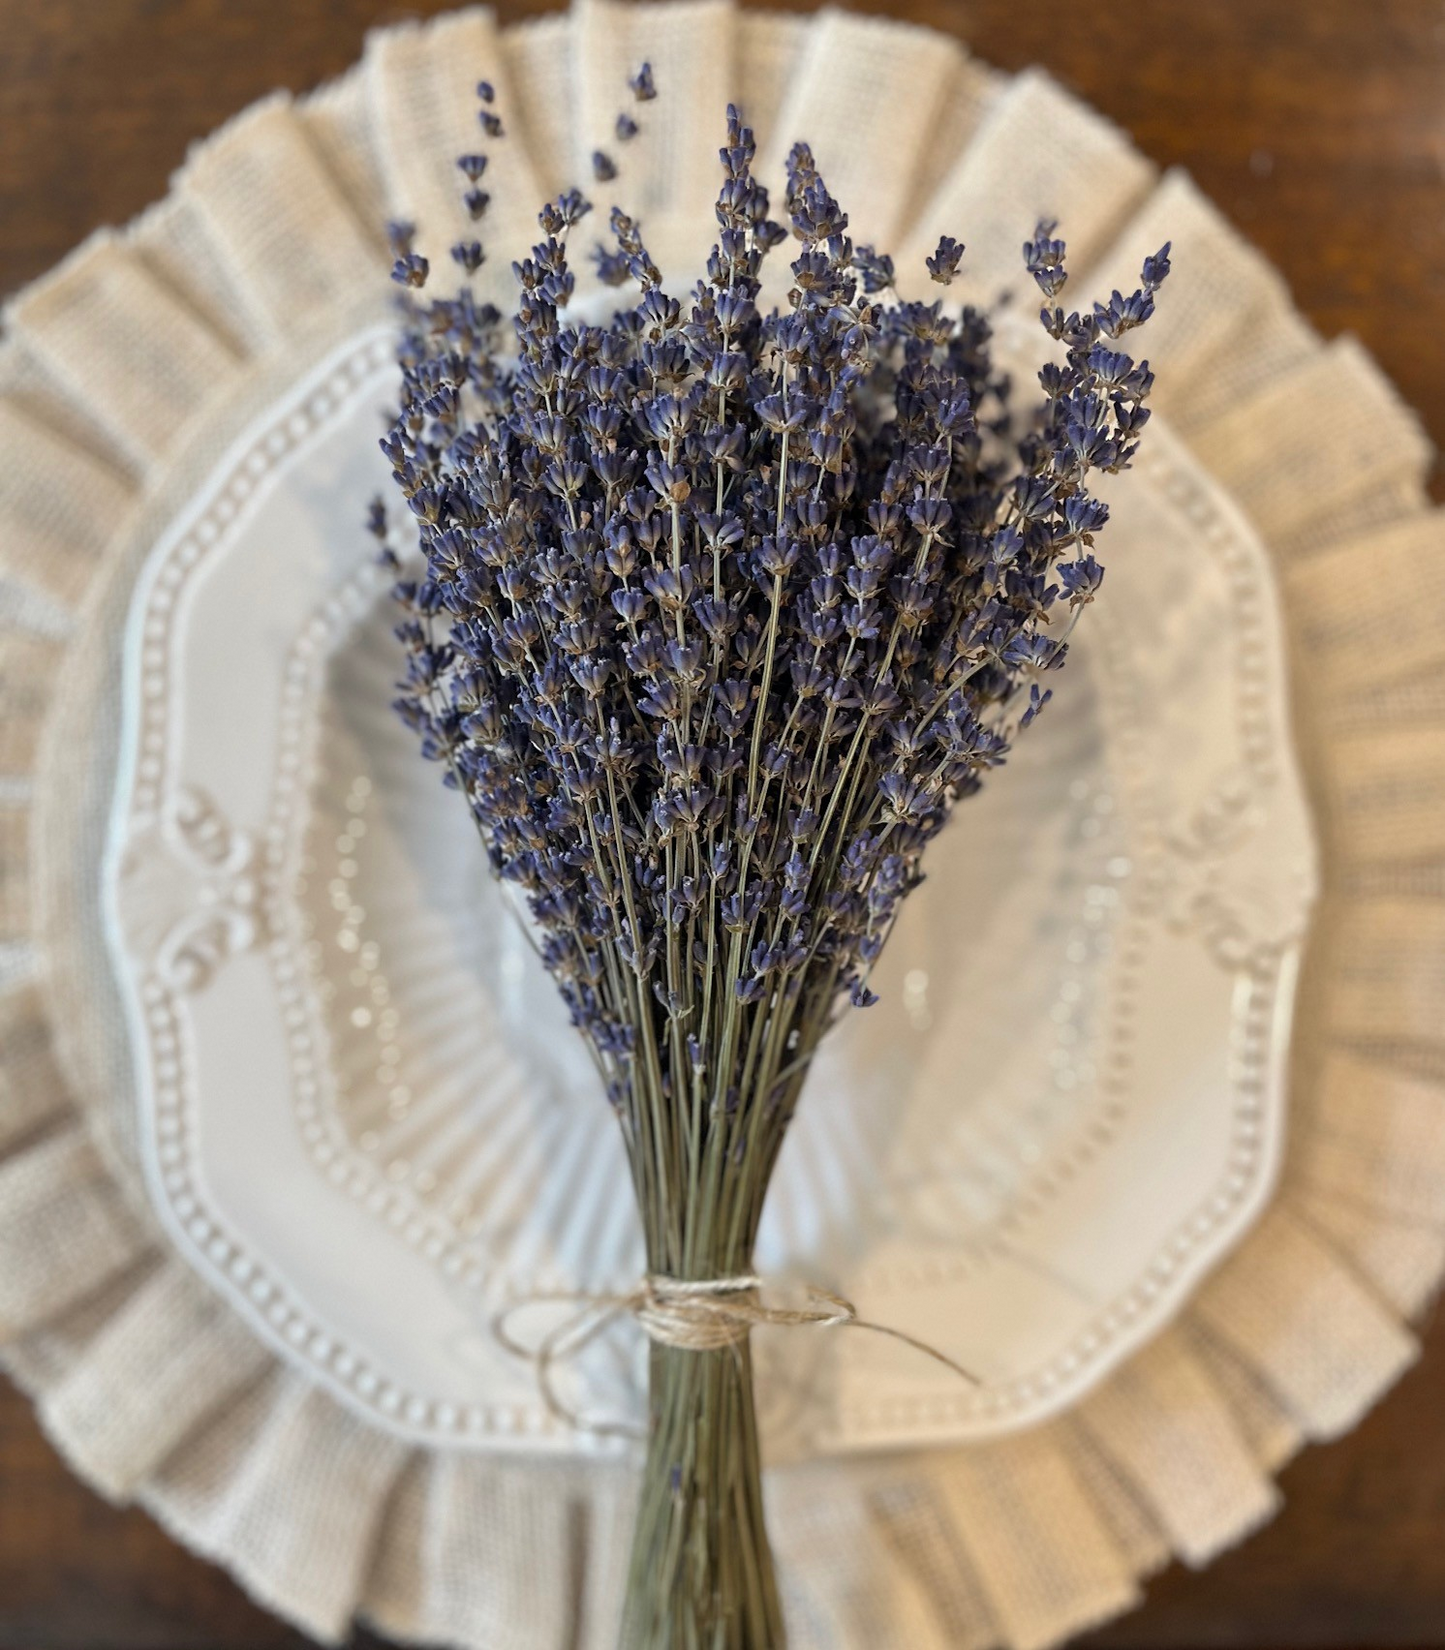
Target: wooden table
{"points": [[1319, 127]]}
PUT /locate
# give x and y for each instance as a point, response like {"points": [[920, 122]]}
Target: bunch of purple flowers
{"points": [[721, 613]]}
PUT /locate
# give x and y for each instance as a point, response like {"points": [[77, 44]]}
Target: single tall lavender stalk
{"points": [[721, 613]]}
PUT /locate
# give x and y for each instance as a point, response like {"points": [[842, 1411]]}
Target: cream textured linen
{"points": [[125, 373]]}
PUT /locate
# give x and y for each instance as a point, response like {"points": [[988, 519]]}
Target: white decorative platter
{"points": [[367, 1122]]}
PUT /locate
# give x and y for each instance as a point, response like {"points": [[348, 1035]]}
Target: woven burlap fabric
{"points": [[124, 375]]}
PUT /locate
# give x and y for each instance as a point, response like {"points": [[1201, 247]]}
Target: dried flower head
{"points": [[721, 612]]}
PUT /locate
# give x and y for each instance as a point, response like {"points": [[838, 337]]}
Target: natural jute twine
{"points": [[707, 1315]]}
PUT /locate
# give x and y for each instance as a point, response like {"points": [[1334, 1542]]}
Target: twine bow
{"points": [[707, 1315]]}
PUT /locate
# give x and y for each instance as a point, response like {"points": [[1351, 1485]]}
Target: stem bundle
{"points": [[721, 615]]}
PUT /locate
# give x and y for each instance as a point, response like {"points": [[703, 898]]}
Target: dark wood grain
{"points": [[1319, 127]]}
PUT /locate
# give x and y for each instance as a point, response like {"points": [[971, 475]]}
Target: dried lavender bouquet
{"points": [[722, 613]]}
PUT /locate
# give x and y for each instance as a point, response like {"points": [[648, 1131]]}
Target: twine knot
{"points": [[713, 1313], [694, 1315]]}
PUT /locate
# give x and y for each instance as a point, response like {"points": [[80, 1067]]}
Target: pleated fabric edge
{"points": [[152, 1386]]}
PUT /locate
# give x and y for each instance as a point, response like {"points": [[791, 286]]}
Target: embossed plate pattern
{"points": [[367, 1121]]}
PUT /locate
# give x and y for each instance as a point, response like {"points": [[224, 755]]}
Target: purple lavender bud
{"points": [[943, 265], [1081, 580], [1044, 260], [411, 269]]}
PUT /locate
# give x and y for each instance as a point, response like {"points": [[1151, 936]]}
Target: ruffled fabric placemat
{"points": [[128, 370]]}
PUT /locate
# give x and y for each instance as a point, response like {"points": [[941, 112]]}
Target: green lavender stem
{"points": [[701, 1573]]}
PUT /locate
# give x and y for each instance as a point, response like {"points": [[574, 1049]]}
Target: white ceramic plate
{"points": [[366, 1119]]}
